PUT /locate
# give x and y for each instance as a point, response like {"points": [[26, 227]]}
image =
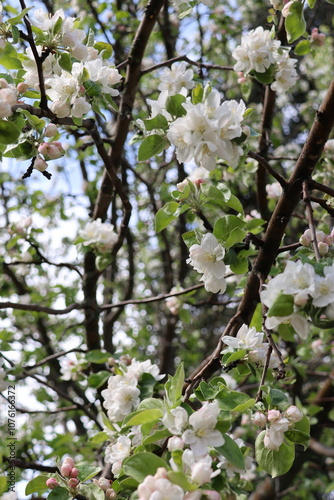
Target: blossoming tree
{"points": [[167, 274]]}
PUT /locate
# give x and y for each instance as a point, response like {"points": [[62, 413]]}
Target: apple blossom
{"points": [[293, 414], [176, 420], [52, 483]]}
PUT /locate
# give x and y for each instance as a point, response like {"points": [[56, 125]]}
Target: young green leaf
{"points": [[275, 463], [151, 146]]}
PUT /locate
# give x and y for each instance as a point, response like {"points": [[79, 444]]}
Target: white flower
{"points": [[176, 78], [99, 234], [246, 338], [255, 52], [137, 368], [158, 487], [176, 420], [8, 97], [274, 190], [175, 443], [121, 397], [118, 451], [80, 107], [323, 292], [202, 433], [207, 258]]}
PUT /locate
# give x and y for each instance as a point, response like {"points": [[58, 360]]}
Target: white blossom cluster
{"points": [[252, 341], [71, 91], [177, 78], [207, 131], [207, 258], [99, 235], [8, 97], [258, 51], [277, 424], [307, 287]]}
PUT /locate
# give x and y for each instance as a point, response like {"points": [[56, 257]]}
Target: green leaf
{"points": [[151, 146], [276, 397], [174, 105], [15, 34], [173, 387], [33, 120], [257, 318], [235, 356], [228, 229], [303, 425], [159, 121], [9, 133], [295, 24], [330, 1], [98, 379], [311, 3], [36, 485], [99, 437], [275, 463], [90, 38], [189, 238], [303, 47], [59, 493], [143, 417], [65, 62], [97, 356], [3, 484], [18, 19], [23, 151], [221, 196], [234, 401], [181, 479], [165, 215], [141, 465], [92, 492], [104, 48], [87, 472], [232, 453], [283, 306], [298, 437], [151, 404], [267, 76], [9, 57], [93, 89], [156, 436], [197, 93]]}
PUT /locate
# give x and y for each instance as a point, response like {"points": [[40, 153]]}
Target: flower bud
{"points": [[259, 419], [49, 150], [305, 238], [175, 443], [317, 38], [323, 248], [51, 130], [286, 9], [69, 461], [293, 414], [3, 83], [74, 472], [301, 298], [104, 483], [201, 473], [274, 415], [111, 494], [66, 469], [52, 483], [22, 87], [40, 164], [73, 483]]}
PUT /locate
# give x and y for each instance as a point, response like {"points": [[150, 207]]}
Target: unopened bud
{"points": [[73, 483], [22, 87], [40, 164], [66, 469], [323, 248], [52, 483], [175, 443], [293, 414], [273, 415], [111, 494], [51, 130], [259, 419], [104, 483], [74, 472]]}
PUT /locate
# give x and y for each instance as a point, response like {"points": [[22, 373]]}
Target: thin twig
{"points": [[189, 61], [269, 169], [311, 223]]}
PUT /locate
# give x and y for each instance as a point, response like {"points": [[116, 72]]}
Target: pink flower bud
{"points": [[74, 472], [22, 87], [73, 483], [175, 443], [293, 414], [305, 239], [274, 415], [51, 130], [286, 9], [66, 469], [259, 419], [40, 164], [317, 38], [52, 483], [198, 182], [59, 146], [50, 150]]}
